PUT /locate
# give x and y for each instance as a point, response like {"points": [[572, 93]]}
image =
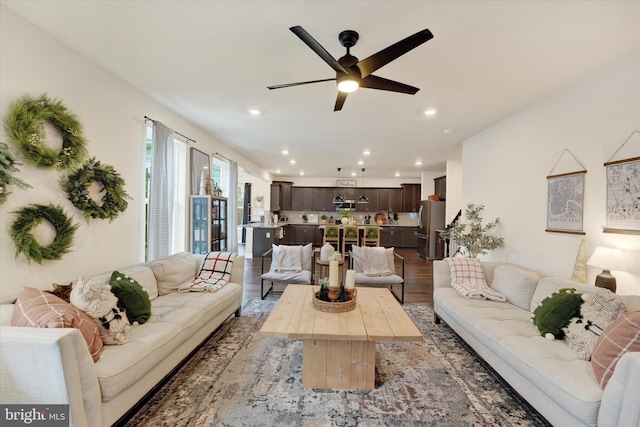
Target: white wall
{"points": [[112, 114], [505, 168], [454, 189]]}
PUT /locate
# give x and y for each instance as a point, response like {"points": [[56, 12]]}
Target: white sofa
{"points": [[54, 366], [547, 373]]}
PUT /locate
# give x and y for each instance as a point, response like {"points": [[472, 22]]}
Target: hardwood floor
{"points": [[418, 277]]}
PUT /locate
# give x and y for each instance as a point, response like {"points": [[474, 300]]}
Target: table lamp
{"points": [[608, 259]]}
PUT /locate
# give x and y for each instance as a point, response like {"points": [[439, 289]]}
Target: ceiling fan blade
{"points": [[342, 96], [375, 82], [299, 83], [382, 58], [317, 48]]}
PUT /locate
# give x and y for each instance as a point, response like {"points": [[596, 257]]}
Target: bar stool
{"points": [[349, 237], [371, 236], [331, 235]]}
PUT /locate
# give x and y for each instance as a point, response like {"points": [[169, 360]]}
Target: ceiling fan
{"points": [[351, 73]]}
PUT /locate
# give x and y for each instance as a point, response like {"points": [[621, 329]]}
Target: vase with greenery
{"points": [[473, 238], [323, 218], [345, 214]]}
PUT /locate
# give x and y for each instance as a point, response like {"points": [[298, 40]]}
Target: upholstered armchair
{"points": [[286, 265], [376, 266]]}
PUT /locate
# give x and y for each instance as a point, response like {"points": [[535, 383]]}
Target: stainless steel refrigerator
{"points": [[431, 217]]}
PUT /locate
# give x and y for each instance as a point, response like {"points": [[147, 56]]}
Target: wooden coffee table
{"points": [[339, 349]]}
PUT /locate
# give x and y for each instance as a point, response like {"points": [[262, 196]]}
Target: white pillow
{"points": [[358, 256], [466, 270], [307, 252], [101, 305], [516, 283], [174, 271]]}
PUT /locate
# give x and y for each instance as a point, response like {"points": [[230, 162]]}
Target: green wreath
{"points": [[24, 125], [7, 171], [28, 218], [114, 199]]}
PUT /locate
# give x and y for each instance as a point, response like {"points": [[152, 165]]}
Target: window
{"points": [[178, 238]]}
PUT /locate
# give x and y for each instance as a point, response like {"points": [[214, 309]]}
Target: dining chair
{"points": [[331, 235], [349, 237], [371, 236]]}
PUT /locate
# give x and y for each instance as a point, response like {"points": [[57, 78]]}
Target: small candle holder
{"points": [[350, 294], [334, 293]]}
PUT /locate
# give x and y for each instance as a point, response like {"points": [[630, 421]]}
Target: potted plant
{"points": [[323, 219], [259, 200], [345, 214], [477, 239], [305, 218]]}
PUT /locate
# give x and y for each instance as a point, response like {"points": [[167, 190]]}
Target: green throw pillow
{"points": [[556, 311], [132, 296]]}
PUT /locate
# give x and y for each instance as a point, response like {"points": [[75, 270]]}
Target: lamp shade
{"points": [[608, 259]]}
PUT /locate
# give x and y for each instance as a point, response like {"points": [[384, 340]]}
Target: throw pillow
{"points": [[174, 271], [596, 313], [131, 296], [358, 258], [467, 278], [621, 336], [101, 305], [40, 309], [306, 257], [62, 291], [515, 283], [214, 273], [556, 311]]}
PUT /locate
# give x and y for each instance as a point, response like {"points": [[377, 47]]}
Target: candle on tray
{"points": [[333, 274], [350, 282]]}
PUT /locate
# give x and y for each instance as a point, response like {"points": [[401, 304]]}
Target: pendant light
{"points": [[338, 198], [362, 198]]}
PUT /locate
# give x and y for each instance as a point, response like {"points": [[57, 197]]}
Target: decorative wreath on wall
{"points": [[24, 125], [31, 216], [7, 171], [114, 199]]}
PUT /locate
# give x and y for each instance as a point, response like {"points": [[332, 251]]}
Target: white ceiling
{"points": [[211, 61]]}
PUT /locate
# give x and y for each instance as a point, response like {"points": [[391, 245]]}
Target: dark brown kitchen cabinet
{"points": [[306, 234], [390, 199], [411, 197], [281, 196], [302, 199], [398, 237], [440, 187], [323, 199], [373, 195]]}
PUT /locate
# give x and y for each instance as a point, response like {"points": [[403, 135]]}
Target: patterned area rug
{"points": [[239, 378]]}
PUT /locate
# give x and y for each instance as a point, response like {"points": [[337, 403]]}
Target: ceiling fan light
{"points": [[348, 85]]}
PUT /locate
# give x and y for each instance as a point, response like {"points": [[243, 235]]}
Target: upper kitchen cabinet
{"points": [[323, 199], [373, 195], [440, 187], [411, 197], [281, 196], [302, 199], [390, 199]]}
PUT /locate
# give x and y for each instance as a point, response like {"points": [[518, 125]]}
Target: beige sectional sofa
{"points": [[548, 374], [54, 366]]}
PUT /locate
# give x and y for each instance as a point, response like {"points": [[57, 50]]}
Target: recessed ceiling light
{"points": [[301, 172], [254, 112], [360, 162], [293, 162], [285, 152], [353, 174], [430, 112], [397, 173], [366, 152], [419, 163], [277, 170]]}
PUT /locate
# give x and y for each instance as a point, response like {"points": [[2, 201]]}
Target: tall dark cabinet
{"points": [[209, 225]]}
